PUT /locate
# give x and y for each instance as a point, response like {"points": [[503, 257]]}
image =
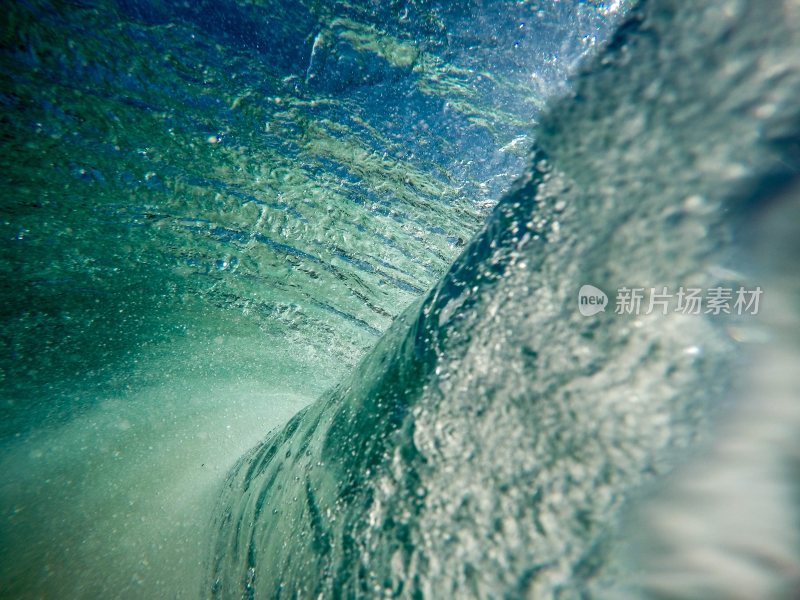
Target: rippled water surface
{"points": [[298, 170], [210, 211], [221, 216]]}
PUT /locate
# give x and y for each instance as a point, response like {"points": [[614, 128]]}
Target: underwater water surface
{"points": [[290, 299]]}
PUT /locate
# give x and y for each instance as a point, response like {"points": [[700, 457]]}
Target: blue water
{"points": [[291, 299]]}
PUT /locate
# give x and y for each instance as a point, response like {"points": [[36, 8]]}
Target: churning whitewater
{"points": [[486, 446]]}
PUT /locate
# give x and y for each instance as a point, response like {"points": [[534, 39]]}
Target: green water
{"points": [[220, 215], [495, 441], [186, 173], [209, 213]]}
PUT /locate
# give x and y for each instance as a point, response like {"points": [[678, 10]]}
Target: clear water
{"points": [[216, 215]]}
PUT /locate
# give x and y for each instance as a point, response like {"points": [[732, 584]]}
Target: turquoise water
{"points": [[211, 211], [221, 217], [202, 171]]}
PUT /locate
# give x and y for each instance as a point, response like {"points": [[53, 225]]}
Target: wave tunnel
{"points": [[416, 299]]}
